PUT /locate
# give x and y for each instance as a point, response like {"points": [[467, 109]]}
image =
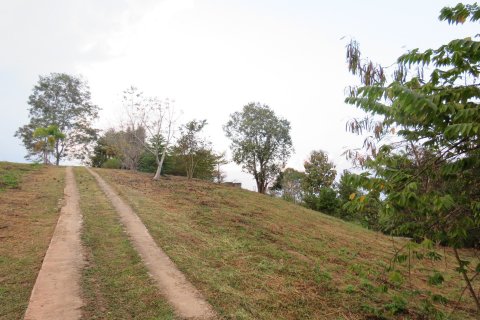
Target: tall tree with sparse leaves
{"points": [[63, 101], [430, 171], [261, 142], [151, 121]]}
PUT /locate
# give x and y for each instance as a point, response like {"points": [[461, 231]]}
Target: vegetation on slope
{"points": [[115, 282], [29, 208], [257, 257]]}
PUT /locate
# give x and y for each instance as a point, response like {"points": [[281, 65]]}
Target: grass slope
{"points": [[29, 208], [115, 283], [256, 257]]}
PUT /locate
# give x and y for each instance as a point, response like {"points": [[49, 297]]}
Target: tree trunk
{"points": [[468, 282], [57, 154], [159, 165], [261, 187]]}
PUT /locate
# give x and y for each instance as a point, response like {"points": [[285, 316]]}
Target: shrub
{"points": [[112, 163]]}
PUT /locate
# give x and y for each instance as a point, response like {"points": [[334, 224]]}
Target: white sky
{"points": [[211, 57]]}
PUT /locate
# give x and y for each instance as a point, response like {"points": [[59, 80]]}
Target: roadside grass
{"points": [[115, 282], [11, 174], [30, 202], [257, 257]]}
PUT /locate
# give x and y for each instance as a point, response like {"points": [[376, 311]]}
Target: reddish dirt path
{"points": [[181, 294], [57, 292]]}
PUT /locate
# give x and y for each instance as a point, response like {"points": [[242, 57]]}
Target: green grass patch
{"points": [[12, 173], [115, 282]]}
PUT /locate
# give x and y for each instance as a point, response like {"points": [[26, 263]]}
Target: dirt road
{"points": [[181, 294], [57, 292]]}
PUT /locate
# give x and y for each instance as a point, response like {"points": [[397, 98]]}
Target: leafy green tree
{"points": [[430, 172], [191, 148], [261, 142], [325, 200], [64, 101], [103, 150], [289, 183], [45, 140], [345, 190], [317, 185], [345, 187], [319, 172]]}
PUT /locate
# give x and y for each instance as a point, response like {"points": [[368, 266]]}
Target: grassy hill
{"points": [[251, 255], [30, 198], [257, 257]]}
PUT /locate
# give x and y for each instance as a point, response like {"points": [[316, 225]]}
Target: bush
{"points": [[112, 163], [326, 201], [147, 163]]}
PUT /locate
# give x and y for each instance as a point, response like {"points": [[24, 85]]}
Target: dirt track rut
{"points": [[57, 293], [181, 294]]}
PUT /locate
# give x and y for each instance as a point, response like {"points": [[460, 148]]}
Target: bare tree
{"points": [[156, 117]]}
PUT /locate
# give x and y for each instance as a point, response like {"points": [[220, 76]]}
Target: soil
{"points": [[181, 294], [57, 292]]}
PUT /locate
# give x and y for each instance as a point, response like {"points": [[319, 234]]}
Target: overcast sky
{"points": [[212, 58]]}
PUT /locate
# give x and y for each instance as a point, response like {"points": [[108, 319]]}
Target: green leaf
{"points": [[435, 279]]}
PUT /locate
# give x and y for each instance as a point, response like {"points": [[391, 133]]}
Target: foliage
{"points": [[429, 176], [104, 150], [112, 163], [151, 122], [61, 100], [319, 172], [45, 140], [192, 149], [206, 164], [345, 189], [289, 183], [220, 175], [147, 163], [120, 144], [324, 201], [319, 176], [261, 142]]}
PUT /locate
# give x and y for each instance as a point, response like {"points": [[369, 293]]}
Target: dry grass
{"points": [[29, 208], [256, 257], [115, 283]]}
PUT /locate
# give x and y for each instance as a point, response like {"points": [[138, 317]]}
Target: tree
{"points": [[319, 172], [290, 183], [156, 118], [261, 142], [104, 149], [220, 175], [45, 140], [124, 145], [431, 171], [192, 149], [345, 188], [317, 186], [61, 100]]}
